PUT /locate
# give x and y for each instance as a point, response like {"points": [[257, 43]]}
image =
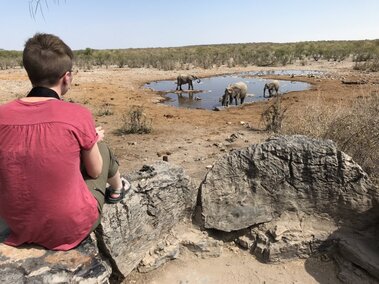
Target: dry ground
{"points": [[194, 138]]}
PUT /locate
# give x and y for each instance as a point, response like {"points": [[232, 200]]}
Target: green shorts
{"points": [[97, 186]]}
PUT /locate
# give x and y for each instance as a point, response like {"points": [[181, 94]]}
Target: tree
{"points": [[36, 6]]}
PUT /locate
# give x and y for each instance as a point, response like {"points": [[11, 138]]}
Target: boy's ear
{"points": [[67, 77]]}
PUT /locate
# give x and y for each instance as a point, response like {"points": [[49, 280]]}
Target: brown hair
{"points": [[46, 58]]}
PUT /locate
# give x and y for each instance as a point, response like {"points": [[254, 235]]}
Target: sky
{"points": [[114, 24]]}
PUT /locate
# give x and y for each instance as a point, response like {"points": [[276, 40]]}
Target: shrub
{"points": [[135, 122], [370, 65], [273, 115], [105, 110], [355, 128]]}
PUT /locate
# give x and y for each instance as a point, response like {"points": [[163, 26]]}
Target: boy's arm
{"points": [[93, 162]]}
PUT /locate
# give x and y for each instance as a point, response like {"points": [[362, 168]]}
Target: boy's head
{"points": [[46, 59]]}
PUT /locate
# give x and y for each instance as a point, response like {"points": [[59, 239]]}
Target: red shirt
{"points": [[43, 197]]}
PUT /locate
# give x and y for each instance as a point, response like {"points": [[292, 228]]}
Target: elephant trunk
{"points": [[198, 80]]}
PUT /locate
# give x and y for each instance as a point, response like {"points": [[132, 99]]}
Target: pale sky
{"points": [[108, 24]]}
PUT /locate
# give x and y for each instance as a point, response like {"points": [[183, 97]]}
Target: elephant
{"points": [[234, 91], [271, 87], [186, 79]]}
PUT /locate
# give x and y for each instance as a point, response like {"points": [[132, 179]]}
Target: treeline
{"points": [[365, 53]]}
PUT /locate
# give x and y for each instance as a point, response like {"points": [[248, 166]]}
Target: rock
{"points": [[292, 235], [31, 264], [245, 242], [218, 108], [200, 244], [163, 195], [354, 82], [163, 252], [286, 173], [357, 256], [180, 238], [233, 137]]}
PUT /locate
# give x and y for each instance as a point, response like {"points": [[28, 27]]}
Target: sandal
{"points": [[121, 192]]}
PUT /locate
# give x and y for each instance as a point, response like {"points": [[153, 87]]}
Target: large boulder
{"points": [[162, 196], [286, 173]]}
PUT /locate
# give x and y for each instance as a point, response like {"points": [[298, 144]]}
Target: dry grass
{"points": [[357, 132], [313, 119], [354, 128], [273, 115]]}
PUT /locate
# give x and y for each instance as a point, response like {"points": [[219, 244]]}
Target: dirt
{"points": [[236, 266], [194, 139]]}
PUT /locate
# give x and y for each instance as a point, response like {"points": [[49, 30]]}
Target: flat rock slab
{"points": [[32, 264]]}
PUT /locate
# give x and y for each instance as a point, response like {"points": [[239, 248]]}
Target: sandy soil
{"points": [[194, 138], [236, 266]]}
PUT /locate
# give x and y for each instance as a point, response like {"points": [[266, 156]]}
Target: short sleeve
{"points": [[85, 130]]}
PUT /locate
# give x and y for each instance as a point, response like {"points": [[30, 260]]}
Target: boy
{"points": [[45, 197]]}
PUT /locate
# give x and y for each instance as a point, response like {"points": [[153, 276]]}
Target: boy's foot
{"points": [[115, 195]]}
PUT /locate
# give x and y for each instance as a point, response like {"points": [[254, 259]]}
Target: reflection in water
{"points": [[188, 99], [207, 93]]}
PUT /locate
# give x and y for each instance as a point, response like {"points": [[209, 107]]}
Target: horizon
{"points": [[116, 24], [214, 44]]}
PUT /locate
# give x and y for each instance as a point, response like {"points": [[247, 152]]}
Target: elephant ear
{"points": [[229, 88]]}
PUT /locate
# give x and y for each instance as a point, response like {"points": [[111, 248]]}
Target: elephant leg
{"points": [[190, 86], [242, 100]]}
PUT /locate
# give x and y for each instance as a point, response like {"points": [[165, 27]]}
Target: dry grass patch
{"points": [[354, 128]]}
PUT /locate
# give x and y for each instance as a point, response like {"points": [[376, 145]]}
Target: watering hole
{"points": [[207, 93]]}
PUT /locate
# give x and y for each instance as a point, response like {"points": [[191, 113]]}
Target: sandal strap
{"points": [[116, 191]]}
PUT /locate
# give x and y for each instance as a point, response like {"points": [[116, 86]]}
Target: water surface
{"points": [[209, 90]]}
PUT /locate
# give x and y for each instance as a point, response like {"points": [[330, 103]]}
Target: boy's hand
{"points": [[100, 133]]}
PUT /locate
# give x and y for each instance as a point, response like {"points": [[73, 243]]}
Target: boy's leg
{"points": [[109, 173]]}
